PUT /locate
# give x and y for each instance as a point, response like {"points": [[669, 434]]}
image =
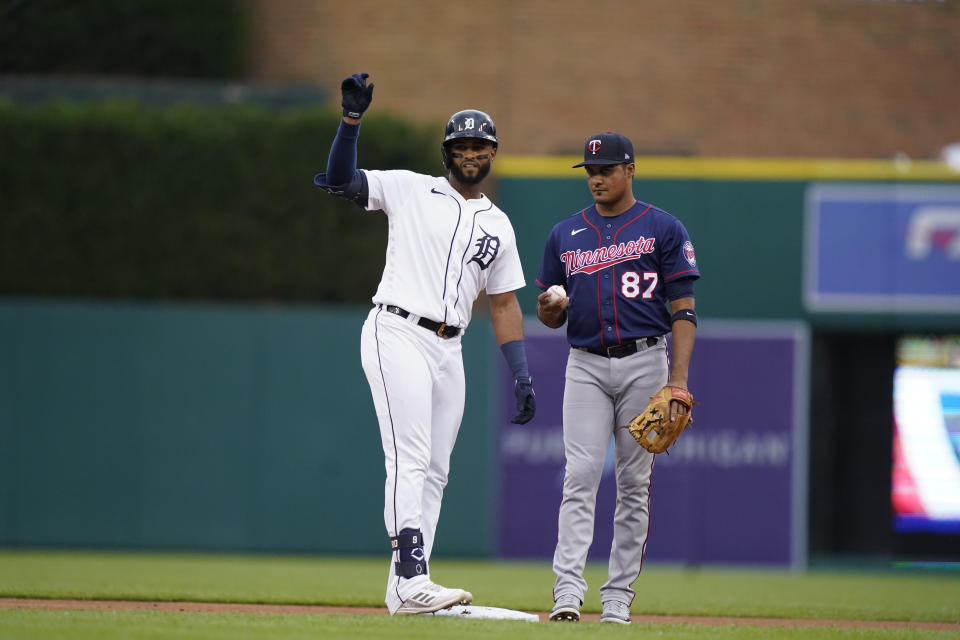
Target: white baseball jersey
{"points": [[442, 250]]}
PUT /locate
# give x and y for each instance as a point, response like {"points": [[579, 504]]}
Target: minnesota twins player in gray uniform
{"points": [[446, 243], [621, 263]]}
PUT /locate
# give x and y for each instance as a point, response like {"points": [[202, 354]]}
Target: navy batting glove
{"points": [[526, 400], [357, 95]]}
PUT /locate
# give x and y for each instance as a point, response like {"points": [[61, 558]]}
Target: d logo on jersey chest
{"points": [[487, 248]]}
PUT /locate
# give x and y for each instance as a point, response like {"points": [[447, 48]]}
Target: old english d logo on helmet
{"points": [[594, 146], [469, 123]]}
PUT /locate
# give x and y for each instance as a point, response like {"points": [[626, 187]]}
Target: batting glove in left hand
{"points": [[526, 400], [356, 95]]}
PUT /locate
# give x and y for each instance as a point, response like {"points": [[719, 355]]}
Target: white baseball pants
{"points": [[417, 382]]}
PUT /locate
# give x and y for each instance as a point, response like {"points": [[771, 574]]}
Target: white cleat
{"points": [[430, 597]]}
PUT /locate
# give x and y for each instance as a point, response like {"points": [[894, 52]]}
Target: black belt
{"points": [[441, 329], [622, 350]]}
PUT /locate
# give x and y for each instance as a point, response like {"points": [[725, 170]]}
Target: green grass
{"points": [[109, 625], [847, 594]]}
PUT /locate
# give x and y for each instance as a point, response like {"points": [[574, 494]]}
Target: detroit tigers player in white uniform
{"points": [[446, 242]]}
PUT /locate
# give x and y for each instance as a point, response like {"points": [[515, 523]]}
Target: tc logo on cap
{"points": [[594, 146]]}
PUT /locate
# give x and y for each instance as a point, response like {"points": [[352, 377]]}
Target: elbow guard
{"points": [[356, 191]]}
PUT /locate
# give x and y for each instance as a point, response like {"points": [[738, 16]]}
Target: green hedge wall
{"points": [[185, 202], [185, 38]]}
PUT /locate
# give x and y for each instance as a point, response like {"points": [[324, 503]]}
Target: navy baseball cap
{"points": [[607, 148]]}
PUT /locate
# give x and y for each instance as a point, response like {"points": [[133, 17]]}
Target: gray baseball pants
{"points": [[600, 397]]}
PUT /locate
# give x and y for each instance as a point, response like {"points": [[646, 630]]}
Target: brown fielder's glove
{"points": [[653, 428]]}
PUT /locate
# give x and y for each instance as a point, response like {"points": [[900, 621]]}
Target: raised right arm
{"points": [[342, 177]]}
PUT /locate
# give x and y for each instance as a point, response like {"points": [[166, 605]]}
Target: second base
{"points": [[487, 613]]}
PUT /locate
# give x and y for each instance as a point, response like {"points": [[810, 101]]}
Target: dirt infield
{"points": [[290, 609]]}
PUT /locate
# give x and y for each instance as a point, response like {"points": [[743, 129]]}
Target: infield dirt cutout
{"points": [[290, 609]]}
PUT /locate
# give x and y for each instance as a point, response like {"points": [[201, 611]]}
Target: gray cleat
{"points": [[615, 611], [566, 609]]}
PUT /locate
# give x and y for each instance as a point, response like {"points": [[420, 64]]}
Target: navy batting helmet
{"points": [[469, 123]]}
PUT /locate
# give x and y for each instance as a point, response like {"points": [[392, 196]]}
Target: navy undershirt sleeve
{"points": [[680, 288], [342, 162], [342, 178], [516, 356]]}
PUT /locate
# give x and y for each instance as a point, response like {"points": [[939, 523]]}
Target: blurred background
{"points": [[180, 308]]}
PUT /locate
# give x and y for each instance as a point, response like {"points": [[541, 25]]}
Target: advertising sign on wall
{"points": [[733, 488], [882, 248]]}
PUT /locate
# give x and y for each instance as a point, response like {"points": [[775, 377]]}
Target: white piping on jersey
{"points": [[473, 226], [453, 239]]}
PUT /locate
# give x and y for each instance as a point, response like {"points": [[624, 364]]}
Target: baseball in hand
{"points": [[557, 291]]}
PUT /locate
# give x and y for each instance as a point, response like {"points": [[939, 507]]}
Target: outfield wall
{"points": [[250, 427], [207, 427], [241, 428]]}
